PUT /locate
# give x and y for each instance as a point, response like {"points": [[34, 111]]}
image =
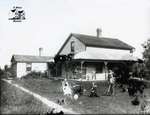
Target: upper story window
{"points": [[28, 67], [73, 46]]}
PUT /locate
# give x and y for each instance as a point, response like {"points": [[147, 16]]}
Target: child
{"points": [[67, 88], [93, 92]]}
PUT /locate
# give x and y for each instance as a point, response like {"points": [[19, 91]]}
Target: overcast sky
{"points": [[49, 22]]}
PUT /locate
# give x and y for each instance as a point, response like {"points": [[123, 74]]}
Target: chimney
{"points": [[40, 51], [99, 32]]}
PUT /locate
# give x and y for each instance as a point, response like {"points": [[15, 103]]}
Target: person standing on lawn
{"points": [[111, 82]]}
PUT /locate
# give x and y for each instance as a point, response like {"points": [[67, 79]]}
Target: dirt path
{"points": [[42, 99]]}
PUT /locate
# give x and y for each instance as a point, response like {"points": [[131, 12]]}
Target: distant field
{"points": [[121, 103], [15, 101]]}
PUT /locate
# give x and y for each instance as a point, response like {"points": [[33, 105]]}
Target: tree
{"points": [[146, 53], [146, 56]]}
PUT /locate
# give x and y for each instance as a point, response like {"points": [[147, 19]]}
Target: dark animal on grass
{"points": [[135, 101]]}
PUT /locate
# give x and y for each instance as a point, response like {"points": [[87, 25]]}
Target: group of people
{"points": [[68, 91], [112, 82], [132, 89]]}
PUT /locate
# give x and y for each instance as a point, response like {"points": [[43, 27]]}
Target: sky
{"points": [[49, 22]]}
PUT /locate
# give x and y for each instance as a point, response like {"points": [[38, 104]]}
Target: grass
{"points": [[121, 103], [15, 101]]}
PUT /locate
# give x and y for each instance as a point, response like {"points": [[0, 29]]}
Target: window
{"points": [[28, 67], [72, 46]]}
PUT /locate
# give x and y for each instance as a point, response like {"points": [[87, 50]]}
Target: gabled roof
{"points": [[31, 59], [102, 42]]}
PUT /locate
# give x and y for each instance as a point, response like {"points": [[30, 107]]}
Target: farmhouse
{"points": [[24, 64], [82, 56]]}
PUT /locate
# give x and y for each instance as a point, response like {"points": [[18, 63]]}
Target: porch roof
{"points": [[86, 55]]}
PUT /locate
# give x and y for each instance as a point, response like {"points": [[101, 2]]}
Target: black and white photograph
{"points": [[62, 57]]}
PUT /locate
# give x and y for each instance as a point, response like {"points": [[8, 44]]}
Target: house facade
{"points": [[24, 64], [90, 57]]}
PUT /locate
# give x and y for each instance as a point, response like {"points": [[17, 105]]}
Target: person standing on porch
{"points": [[93, 75]]}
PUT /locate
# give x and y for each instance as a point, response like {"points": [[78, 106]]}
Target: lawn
{"points": [[120, 103], [15, 101]]}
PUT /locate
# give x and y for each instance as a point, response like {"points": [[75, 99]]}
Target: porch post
{"points": [[105, 62], [66, 69], [82, 68]]}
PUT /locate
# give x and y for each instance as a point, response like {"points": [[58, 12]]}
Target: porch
{"points": [[93, 70]]}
